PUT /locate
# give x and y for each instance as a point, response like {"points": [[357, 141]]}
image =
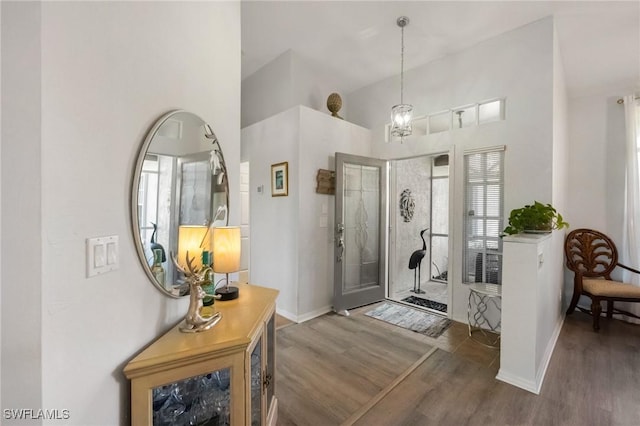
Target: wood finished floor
{"points": [[329, 367], [282, 322]]}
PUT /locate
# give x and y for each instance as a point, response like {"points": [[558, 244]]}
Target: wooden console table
{"points": [[224, 376]]}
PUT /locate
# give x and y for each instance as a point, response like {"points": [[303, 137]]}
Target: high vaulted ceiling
{"points": [[360, 41]]}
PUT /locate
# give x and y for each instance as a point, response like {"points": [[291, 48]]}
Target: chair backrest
{"points": [[591, 253]]}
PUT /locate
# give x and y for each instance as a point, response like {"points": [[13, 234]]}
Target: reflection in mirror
{"points": [[179, 183]]}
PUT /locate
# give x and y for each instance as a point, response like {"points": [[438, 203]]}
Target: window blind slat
{"points": [[484, 191]]}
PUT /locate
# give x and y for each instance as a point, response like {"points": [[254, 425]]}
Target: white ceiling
{"points": [[360, 41]]}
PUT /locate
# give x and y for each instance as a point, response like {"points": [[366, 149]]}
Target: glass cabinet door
{"points": [[199, 400], [256, 384], [271, 360]]}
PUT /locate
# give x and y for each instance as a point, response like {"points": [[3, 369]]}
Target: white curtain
{"points": [[630, 253]]}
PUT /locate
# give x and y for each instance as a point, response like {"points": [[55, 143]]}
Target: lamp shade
{"points": [[191, 238], [226, 249]]}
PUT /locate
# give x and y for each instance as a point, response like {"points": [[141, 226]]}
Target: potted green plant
{"points": [[535, 218]]}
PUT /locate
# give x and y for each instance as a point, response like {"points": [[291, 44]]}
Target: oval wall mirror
{"points": [[180, 191]]}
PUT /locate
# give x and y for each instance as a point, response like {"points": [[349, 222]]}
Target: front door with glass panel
{"points": [[361, 218]]}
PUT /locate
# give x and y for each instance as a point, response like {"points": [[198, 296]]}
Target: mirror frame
{"points": [[135, 184]]}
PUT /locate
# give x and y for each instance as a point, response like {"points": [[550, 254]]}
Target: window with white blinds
{"points": [[483, 222]]}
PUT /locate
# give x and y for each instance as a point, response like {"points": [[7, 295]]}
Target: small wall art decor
{"points": [[280, 179], [326, 180], [407, 205]]}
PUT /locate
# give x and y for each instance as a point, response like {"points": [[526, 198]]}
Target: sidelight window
{"points": [[483, 222]]}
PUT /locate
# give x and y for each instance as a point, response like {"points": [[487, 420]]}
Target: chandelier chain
{"points": [[401, 113], [402, 65]]}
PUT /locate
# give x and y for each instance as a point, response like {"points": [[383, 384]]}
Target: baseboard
{"points": [[304, 317], [287, 315], [529, 385], [546, 358], [314, 314], [517, 381]]}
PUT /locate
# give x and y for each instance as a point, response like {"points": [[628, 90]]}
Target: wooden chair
{"points": [[592, 256]]}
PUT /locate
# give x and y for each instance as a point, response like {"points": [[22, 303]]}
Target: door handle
{"points": [[267, 380]]}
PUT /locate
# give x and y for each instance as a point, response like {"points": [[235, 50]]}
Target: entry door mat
{"points": [[426, 303], [411, 319]]}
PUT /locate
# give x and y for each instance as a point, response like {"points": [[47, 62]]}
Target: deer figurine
{"points": [[194, 321]]}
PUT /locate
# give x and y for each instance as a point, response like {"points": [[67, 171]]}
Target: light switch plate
{"points": [[103, 255], [99, 256]]}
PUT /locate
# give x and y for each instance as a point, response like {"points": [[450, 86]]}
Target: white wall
{"points": [[1, 211], [108, 71], [22, 371], [273, 220], [517, 65], [291, 249], [596, 180], [524, 350], [285, 82], [268, 91], [561, 154], [596, 177], [550, 293], [321, 136], [313, 83]]}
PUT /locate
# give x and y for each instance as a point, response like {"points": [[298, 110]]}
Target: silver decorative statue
{"points": [[194, 321]]}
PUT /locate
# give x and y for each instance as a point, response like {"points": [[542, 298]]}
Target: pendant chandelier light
{"points": [[401, 113]]}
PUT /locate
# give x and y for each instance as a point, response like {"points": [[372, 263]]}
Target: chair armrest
{"points": [[628, 268]]}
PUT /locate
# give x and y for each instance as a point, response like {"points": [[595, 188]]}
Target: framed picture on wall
{"points": [[280, 179]]}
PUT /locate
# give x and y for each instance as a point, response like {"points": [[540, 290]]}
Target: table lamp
{"points": [[226, 257], [191, 238]]}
